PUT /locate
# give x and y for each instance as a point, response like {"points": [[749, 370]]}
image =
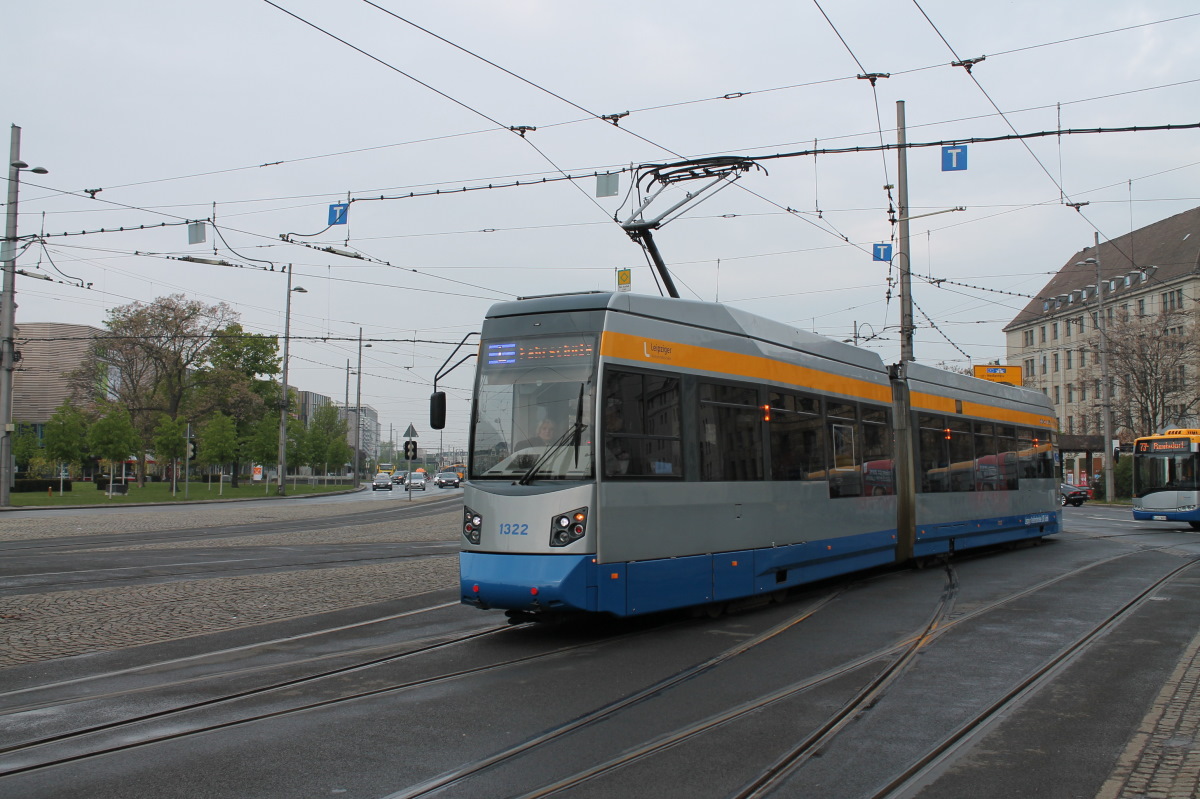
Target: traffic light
{"points": [[191, 452], [410, 450]]}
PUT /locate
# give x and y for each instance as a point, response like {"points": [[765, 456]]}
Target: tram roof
{"points": [[696, 313]]}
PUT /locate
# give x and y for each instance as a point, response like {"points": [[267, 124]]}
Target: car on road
{"points": [[414, 481], [398, 477], [382, 480], [1072, 495], [446, 480]]}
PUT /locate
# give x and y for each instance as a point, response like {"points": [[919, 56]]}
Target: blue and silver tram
{"points": [[631, 454]]}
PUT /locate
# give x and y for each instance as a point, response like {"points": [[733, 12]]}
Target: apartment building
{"points": [[1151, 274]]}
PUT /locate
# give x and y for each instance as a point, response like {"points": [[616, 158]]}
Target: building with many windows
{"points": [[1149, 282]]}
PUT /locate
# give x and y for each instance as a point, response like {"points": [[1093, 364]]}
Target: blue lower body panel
{"points": [[937, 539], [1166, 515], [528, 582], [540, 583]]}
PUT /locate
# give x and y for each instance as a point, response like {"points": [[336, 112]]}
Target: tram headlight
{"points": [[567, 528], [472, 525]]}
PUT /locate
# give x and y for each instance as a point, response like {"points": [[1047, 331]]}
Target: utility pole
{"points": [[906, 308], [905, 467], [8, 308], [358, 410]]}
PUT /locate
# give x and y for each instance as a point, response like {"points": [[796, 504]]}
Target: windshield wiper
{"points": [[573, 430]]}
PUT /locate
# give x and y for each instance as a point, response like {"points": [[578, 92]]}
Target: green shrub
{"points": [[30, 485]]}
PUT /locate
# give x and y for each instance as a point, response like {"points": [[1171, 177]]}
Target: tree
{"points": [[297, 448], [25, 445], [170, 443], [66, 437], [112, 437], [327, 439], [261, 445], [161, 351], [218, 441], [237, 380], [1153, 364]]}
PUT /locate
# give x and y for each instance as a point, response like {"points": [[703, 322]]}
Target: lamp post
{"points": [[8, 307], [1105, 398], [283, 402], [358, 409]]}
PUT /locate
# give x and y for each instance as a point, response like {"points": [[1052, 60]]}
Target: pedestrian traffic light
{"points": [[410, 450]]}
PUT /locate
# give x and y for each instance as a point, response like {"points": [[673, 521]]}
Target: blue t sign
{"points": [[882, 252], [954, 159], [337, 213]]}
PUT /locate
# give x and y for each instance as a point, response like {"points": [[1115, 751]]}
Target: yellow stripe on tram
{"points": [[656, 352]]}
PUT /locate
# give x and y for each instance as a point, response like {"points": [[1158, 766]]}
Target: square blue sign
{"points": [[954, 158], [338, 212]]}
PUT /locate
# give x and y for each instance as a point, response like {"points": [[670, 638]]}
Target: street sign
{"points": [[338, 213], [624, 279], [1009, 375], [411, 432], [954, 158], [881, 252], [607, 185]]}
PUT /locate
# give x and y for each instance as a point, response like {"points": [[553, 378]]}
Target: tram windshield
{"points": [[533, 406], [1157, 468]]}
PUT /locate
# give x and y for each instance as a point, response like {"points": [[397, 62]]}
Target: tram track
{"points": [[21, 758], [163, 572], [174, 721], [891, 661], [58, 543], [967, 732]]}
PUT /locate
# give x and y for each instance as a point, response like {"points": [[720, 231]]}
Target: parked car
{"points": [[1072, 495], [446, 480], [414, 481], [382, 480]]}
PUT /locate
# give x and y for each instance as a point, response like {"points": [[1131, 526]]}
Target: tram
{"points": [[631, 454], [1165, 477]]}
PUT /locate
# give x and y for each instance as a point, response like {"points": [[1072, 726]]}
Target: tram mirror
{"points": [[437, 410]]}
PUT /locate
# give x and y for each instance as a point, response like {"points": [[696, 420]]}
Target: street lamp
{"points": [[8, 307], [283, 403], [1105, 399], [857, 327]]}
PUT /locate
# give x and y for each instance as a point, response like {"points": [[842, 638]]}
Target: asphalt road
{"points": [[357, 674]]}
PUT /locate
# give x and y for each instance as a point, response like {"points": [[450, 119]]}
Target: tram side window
{"points": [[1036, 453], [797, 444], [845, 478], [731, 440], [878, 468], [989, 466], [934, 455], [1008, 455], [962, 455], [1045, 442], [642, 429]]}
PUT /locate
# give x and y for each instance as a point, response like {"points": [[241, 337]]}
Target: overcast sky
{"points": [[252, 113]]}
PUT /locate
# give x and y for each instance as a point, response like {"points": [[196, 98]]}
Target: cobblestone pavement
{"points": [[1162, 759], [45, 626]]}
